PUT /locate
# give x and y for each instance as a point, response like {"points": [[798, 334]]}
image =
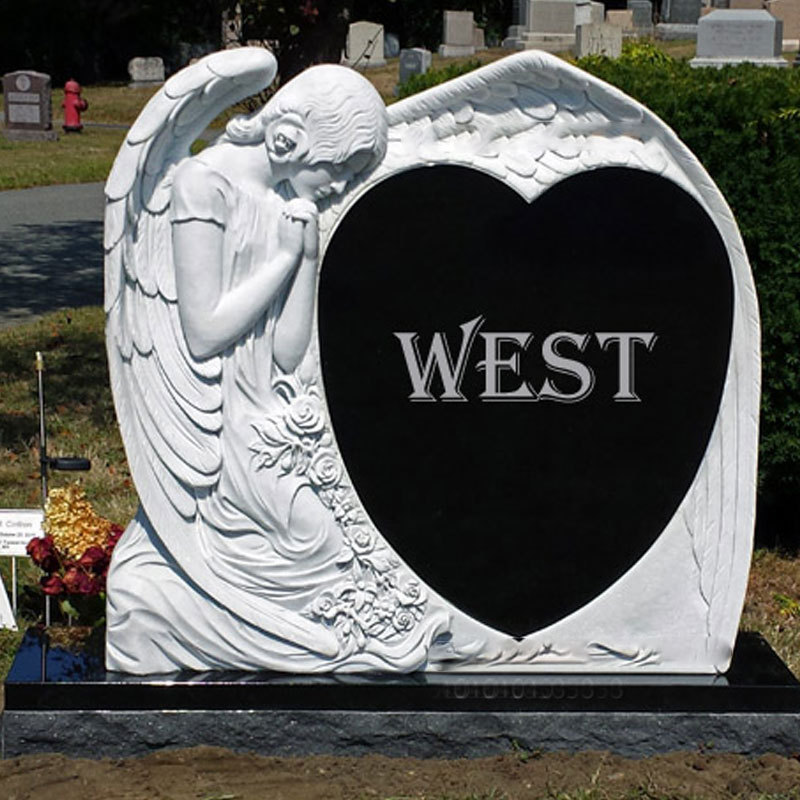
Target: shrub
{"points": [[743, 124], [433, 77]]}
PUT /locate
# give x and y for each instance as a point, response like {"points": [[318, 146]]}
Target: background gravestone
{"points": [[621, 18], [681, 12], [391, 45], [642, 16], [28, 106], [458, 34], [365, 45], [146, 71], [414, 61], [601, 40], [589, 13], [733, 37], [788, 11]]}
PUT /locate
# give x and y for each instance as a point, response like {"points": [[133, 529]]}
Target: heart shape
{"points": [[519, 513]]}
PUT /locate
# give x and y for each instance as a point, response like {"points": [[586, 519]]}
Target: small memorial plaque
{"points": [[17, 527]]}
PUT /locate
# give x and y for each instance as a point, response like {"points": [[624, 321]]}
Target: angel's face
{"points": [[317, 181]]}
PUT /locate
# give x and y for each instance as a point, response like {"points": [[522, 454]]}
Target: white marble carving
{"points": [[251, 548]]}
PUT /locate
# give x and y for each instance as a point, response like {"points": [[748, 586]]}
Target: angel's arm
{"points": [[293, 327], [212, 316]]}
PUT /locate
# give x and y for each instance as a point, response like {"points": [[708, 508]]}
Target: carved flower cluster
{"points": [[373, 600]]}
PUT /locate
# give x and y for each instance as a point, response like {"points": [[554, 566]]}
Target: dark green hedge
{"points": [[743, 123]]}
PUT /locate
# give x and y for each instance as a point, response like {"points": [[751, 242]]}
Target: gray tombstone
{"points": [[28, 106], [598, 39], [414, 61], [642, 16], [681, 12], [391, 45], [146, 71], [365, 45], [735, 36], [458, 34]]}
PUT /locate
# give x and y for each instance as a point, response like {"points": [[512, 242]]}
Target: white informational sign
{"points": [[17, 527]]}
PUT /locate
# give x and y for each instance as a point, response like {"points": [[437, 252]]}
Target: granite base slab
{"points": [[57, 700]]}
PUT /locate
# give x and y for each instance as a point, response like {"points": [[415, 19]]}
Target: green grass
{"points": [[79, 412]]}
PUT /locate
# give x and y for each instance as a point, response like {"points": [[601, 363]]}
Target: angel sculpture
{"points": [[251, 550], [209, 343]]}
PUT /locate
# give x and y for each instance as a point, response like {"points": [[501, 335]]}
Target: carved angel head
{"points": [[328, 115]]}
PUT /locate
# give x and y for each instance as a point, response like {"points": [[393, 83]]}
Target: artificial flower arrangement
{"points": [[75, 554]]}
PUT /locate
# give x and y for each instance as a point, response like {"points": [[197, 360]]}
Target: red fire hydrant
{"points": [[73, 105]]}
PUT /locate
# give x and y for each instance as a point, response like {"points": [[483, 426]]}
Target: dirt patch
{"points": [[216, 774]]}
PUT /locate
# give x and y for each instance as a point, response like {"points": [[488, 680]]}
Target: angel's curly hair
{"points": [[342, 112]]}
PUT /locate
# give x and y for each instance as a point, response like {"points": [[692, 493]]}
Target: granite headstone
{"points": [[681, 12], [414, 61], [27, 100], [458, 34], [788, 11], [733, 37], [525, 458]]}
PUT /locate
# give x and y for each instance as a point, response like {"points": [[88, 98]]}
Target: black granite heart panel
{"points": [[606, 304]]}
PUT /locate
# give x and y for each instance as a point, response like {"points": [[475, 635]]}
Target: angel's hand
{"points": [[291, 234], [306, 211]]}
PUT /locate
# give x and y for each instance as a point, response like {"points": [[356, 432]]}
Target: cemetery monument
{"points": [[391, 404], [28, 109], [736, 36]]}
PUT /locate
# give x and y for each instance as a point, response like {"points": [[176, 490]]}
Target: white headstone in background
{"points": [[733, 37], [458, 34], [601, 40], [587, 12], [146, 71], [365, 45]]}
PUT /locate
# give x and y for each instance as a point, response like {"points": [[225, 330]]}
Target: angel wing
{"points": [[531, 119], [169, 404]]}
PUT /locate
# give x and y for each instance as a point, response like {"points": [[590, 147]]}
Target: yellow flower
{"points": [[72, 522]]}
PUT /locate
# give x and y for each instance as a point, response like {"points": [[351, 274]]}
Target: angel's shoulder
{"points": [[200, 191]]}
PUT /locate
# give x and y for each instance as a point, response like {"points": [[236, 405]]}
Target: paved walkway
{"points": [[51, 250]]}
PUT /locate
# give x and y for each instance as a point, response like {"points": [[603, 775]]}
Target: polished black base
{"points": [[66, 701]]}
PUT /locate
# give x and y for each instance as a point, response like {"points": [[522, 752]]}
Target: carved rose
{"points": [[304, 416], [362, 540], [403, 620], [410, 594], [324, 470], [325, 605]]}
